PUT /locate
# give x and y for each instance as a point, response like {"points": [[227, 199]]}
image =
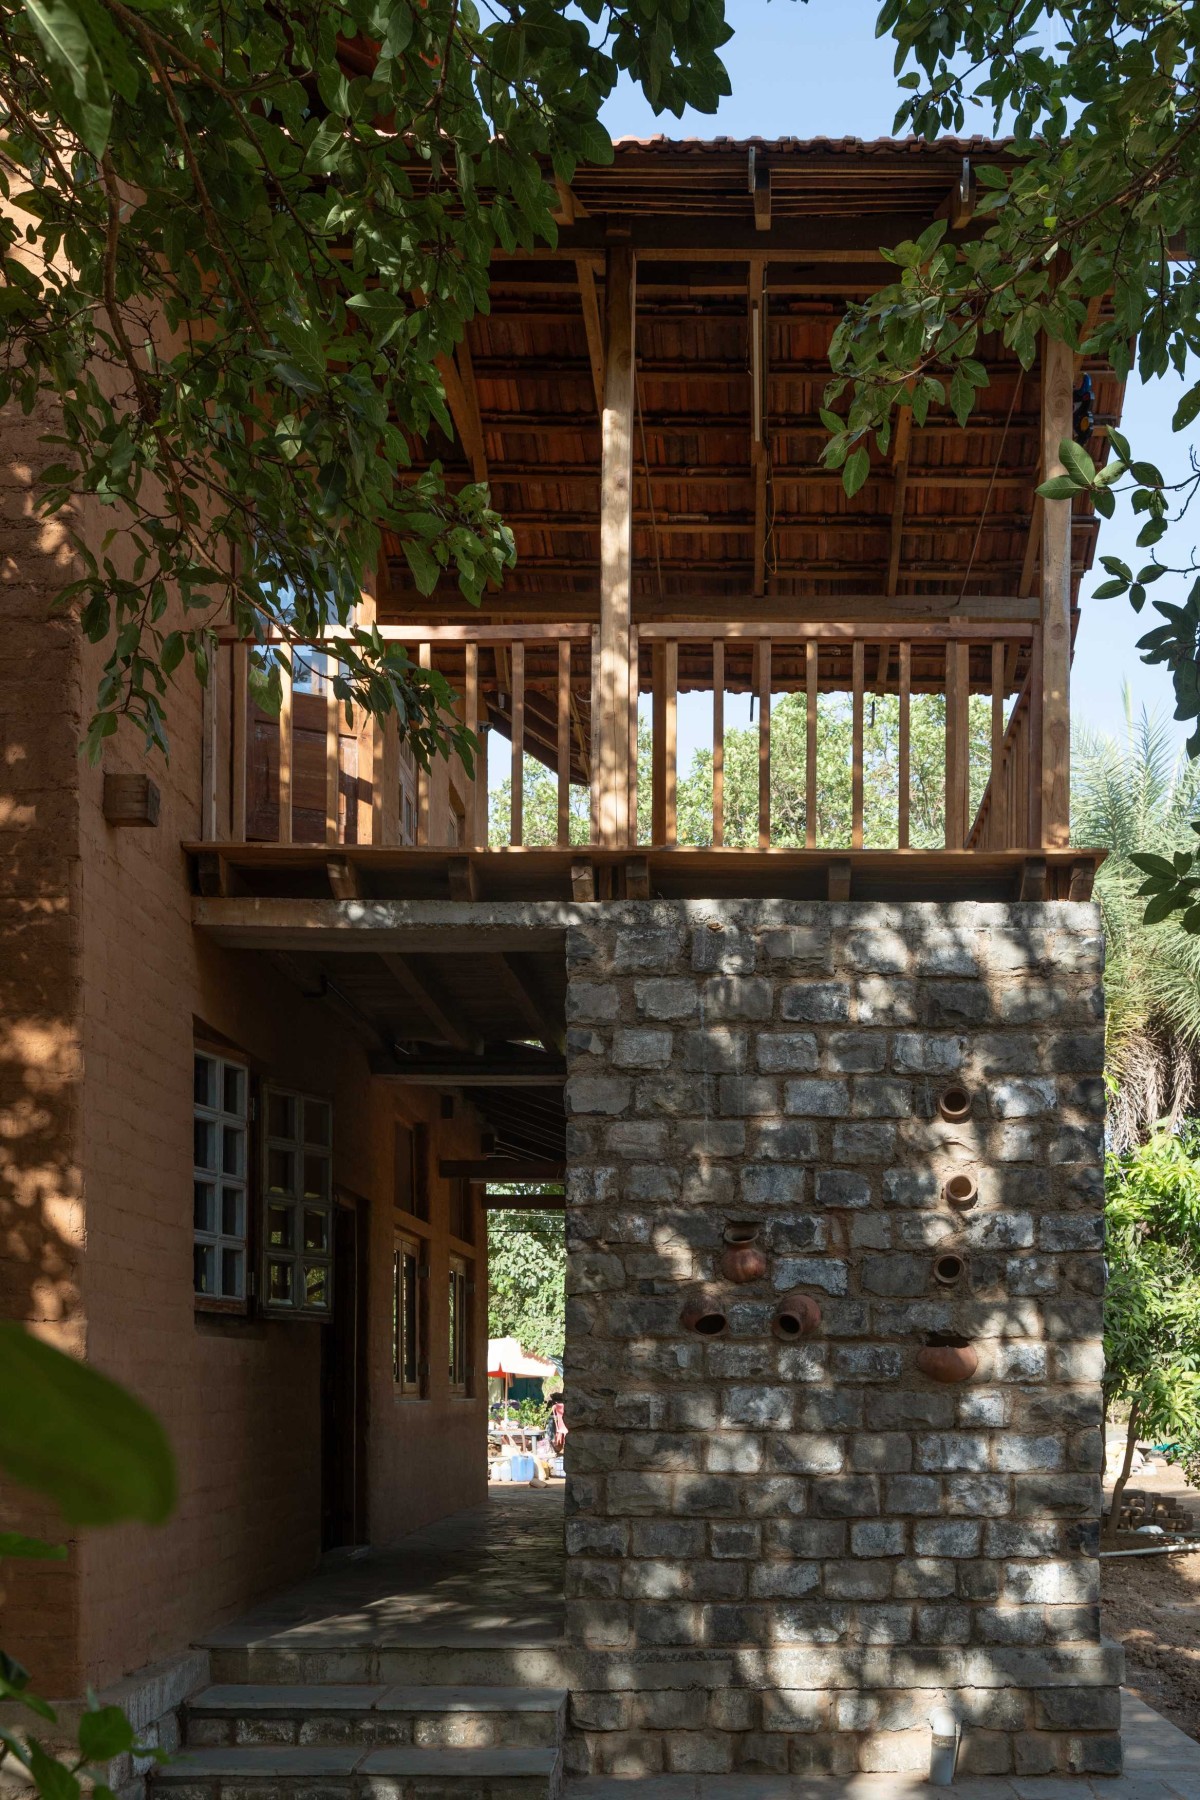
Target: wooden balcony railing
{"points": [[309, 777]]}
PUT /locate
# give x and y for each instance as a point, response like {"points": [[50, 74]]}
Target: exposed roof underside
{"points": [[955, 522]]}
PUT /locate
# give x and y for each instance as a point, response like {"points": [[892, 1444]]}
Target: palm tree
{"points": [[1137, 793]]}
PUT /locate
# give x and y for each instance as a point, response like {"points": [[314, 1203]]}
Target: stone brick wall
{"points": [[780, 1554]]}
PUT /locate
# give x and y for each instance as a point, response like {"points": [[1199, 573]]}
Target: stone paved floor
{"points": [[492, 1575]]}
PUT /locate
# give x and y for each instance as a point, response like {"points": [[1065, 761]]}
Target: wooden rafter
{"points": [[458, 379], [593, 328], [416, 987], [538, 1019]]}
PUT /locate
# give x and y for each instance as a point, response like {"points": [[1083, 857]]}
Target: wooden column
{"points": [[1054, 748], [616, 550]]}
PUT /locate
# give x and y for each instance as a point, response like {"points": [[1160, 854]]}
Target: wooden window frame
{"points": [[287, 1216], [410, 1317], [223, 1243], [461, 1288]]}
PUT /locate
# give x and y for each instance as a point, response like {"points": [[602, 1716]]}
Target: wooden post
{"points": [[1054, 749], [957, 744], [633, 734], [285, 751], [903, 749], [857, 678], [332, 751], [997, 807], [812, 669], [563, 716], [240, 724], [517, 792], [616, 548], [425, 661], [471, 721], [763, 648], [670, 738], [718, 779]]}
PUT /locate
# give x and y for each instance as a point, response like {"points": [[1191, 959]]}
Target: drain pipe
{"points": [[943, 1751]]}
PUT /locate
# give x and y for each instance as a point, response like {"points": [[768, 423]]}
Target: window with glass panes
{"points": [[297, 1204], [219, 1163], [407, 1351], [459, 1326]]}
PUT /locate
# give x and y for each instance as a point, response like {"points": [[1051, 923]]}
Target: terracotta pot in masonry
{"points": [[743, 1258], [796, 1316], [948, 1359]]}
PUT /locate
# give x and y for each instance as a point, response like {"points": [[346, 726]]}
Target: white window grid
{"points": [[297, 1205], [219, 1175]]}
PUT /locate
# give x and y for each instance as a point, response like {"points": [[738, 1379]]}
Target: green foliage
{"points": [[1152, 1306], [529, 1412], [72, 1434], [1098, 195], [240, 238], [527, 1265], [881, 726], [82, 1441], [1135, 796]]}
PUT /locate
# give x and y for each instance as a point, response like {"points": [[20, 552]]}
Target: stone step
{"points": [[316, 1659], [354, 1772], [243, 1714]]}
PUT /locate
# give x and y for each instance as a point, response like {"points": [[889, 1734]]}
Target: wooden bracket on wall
{"points": [[463, 879], [216, 878], [344, 883]]}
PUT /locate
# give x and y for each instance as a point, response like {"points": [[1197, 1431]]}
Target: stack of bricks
{"points": [[782, 1555]]}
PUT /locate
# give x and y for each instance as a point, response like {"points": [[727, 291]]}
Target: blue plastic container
{"points": [[523, 1467]]}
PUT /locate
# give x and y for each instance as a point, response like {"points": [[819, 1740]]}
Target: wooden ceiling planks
{"points": [[967, 493]]}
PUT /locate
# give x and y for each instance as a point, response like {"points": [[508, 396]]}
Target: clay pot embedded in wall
{"points": [[796, 1316], [705, 1313], [960, 1191], [954, 1103], [743, 1260], [948, 1268], [947, 1359]]}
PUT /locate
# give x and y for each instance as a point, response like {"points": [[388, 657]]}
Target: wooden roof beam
{"points": [[501, 1066], [759, 460], [458, 379], [415, 986], [539, 1019], [593, 329]]}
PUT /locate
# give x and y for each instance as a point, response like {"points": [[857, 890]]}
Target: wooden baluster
{"points": [[812, 671], [764, 743], [240, 723], [563, 715], [670, 739], [516, 830], [1035, 781], [285, 751], [471, 721], [362, 791], [858, 675], [425, 661], [332, 762], [385, 782], [658, 744], [633, 734], [997, 824], [210, 753], [718, 763], [594, 674], [957, 744], [903, 752]]}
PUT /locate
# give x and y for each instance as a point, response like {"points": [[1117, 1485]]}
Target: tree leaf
{"points": [[69, 1432], [15, 1543], [858, 467], [104, 1732]]}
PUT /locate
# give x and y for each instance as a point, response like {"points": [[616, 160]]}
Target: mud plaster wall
{"points": [[780, 1554]]}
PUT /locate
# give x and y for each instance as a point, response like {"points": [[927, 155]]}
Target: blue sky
{"points": [[818, 70]]}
